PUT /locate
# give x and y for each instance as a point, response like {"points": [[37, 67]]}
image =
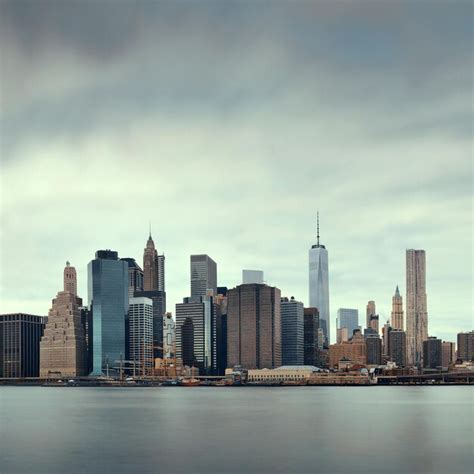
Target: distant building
{"points": [[311, 327], [203, 276], [254, 327], [374, 323], [221, 328], [150, 266], [373, 345], [252, 276], [135, 276], [397, 310], [63, 345], [140, 316], [348, 318], [417, 316], [286, 373], [292, 332], [387, 328], [20, 336], [108, 300], [448, 353], [196, 333], [354, 350], [466, 346], [161, 272], [398, 347], [319, 285], [169, 337], [432, 353], [342, 335], [370, 311]]}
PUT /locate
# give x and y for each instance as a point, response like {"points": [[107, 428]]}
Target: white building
{"points": [[140, 315]]}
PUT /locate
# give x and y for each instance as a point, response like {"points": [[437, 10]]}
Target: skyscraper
{"points": [[466, 346], [448, 353], [370, 311], [63, 345], [311, 332], [386, 330], [150, 266], [373, 345], [397, 310], [417, 316], [140, 316], [398, 347], [348, 318], [203, 276], [169, 337], [432, 353], [254, 326], [161, 272], [292, 332], [108, 299], [135, 276], [319, 284]]}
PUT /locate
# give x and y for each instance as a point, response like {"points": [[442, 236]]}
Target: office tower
{"points": [[87, 324], [319, 284], [374, 323], [221, 328], [397, 310], [370, 311], [348, 318], [292, 331], [373, 345], [342, 335], [196, 338], [169, 337], [203, 276], [311, 326], [354, 350], [70, 279], [417, 316], [432, 353], [135, 276], [108, 300], [466, 346], [398, 347], [63, 345], [386, 339], [150, 266], [140, 320], [20, 336], [252, 276], [254, 327], [448, 353], [161, 272]]}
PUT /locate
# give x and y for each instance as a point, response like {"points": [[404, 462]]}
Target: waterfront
{"points": [[278, 430]]}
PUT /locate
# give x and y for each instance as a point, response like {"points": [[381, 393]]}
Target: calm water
{"points": [[236, 430]]}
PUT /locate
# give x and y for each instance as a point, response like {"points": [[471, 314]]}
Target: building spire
{"points": [[397, 292], [317, 217], [150, 229]]}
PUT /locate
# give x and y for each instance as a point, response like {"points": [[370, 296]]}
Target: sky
{"points": [[228, 125]]}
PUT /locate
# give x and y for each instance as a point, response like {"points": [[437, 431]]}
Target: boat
{"points": [[190, 382]]}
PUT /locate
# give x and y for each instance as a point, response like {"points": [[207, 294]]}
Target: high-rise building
{"points": [[466, 346], [135, 276], [319, 284], [386, 339], [150, 266], [254, 327], [169, 337], [354, 350], [397, 310], [221, 328], [20, 336], [348, 318], [196, 333], [292, 332], [432, 353], [342, 335], [108, 300], [87, 324], [252, 276], [203, 276], [398, 347], [374, 323], [63, 346], [373, 345], [370, 311], [311, 327], [417, 316], [448, 353], [161, 272], [140, 350]]}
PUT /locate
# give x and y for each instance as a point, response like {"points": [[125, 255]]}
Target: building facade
{"points": [[466, 346], [397, 310], [140, 340], [311, 332], [169, 337], [354, 350], [398, 347], [373, 345], [348, 318], [417, 316], [432, 353], [203, 276], [292, 332], [448, 353], [108, 300], [20, 336], [135, 276], [319, 284], [254, 326], [369, 312]]}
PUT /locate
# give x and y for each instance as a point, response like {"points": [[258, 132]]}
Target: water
{"points": [[236, 430]]}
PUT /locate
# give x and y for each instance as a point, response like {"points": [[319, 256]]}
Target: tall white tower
{"points": [[319, 284]]}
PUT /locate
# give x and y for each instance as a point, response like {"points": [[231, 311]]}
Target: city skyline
{"points": [[231, 137]]}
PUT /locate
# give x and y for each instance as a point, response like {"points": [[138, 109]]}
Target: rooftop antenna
{"points": [[318, 227], [150, 228]]}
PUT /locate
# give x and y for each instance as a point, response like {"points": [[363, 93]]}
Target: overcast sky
{"points": [[228, 125]]}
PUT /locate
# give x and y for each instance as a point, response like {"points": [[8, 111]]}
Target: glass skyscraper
{"points": [[108, 300], [348, 318], [203, 276]]}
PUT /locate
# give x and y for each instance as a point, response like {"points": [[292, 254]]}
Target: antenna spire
{"points": [[150, 228], [317, 227]]}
